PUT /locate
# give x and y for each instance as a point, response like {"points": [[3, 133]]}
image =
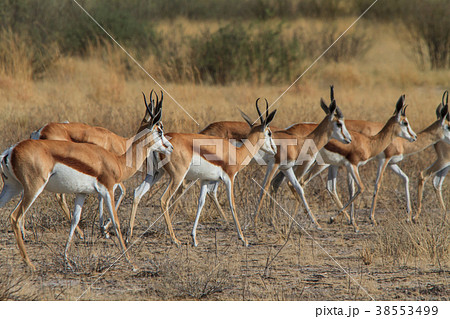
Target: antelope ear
{"points": [[269, 118], [403, 111], [339, 113], [246, 118], [399, 105], [439, 111], [324, 106], [332, 107]]}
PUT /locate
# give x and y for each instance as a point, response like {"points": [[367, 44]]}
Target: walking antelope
{"points": [[234, 131], [83, 133], [211, 159], [302, 129], [363, 149], [290, 150], [399, 149], [31, 166], [438, 169]]}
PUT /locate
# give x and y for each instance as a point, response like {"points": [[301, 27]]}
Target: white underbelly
{"points": [[203, 170], [332, 158], [64, 179]]}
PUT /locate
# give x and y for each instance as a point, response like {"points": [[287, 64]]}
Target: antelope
{"points": [[31, 166], [363, 150], [332, 126], [360, 151], [83, 133], [438, 132], [211, 159], [302, 129], [438, 169], [236, 132]]}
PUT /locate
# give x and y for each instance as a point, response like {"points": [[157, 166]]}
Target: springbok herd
{"points": [[66, 158]]}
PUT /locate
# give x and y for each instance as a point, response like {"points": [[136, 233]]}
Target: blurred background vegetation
{"points": [[234, 41]]}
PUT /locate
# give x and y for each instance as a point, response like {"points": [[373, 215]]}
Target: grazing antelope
{"points": [[31, 166], [438, 169], [289, 153], [83, 133], [211, 159], [399, 149]]}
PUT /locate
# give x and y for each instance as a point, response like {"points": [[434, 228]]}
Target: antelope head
{"points": [[402, 127], [152, 122], [264, 131]]}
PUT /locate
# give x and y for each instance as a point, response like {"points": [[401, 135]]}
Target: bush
{"points": [[235, 53], [353, 44], [428, 22]]}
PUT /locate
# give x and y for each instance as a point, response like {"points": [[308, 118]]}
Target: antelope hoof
{"points": [[194, 242], [373, 222], [176, 242], [245, 242], [68, 265], [318, 226]]}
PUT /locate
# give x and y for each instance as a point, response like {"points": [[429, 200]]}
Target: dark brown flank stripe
{"points": [[76, 165]]}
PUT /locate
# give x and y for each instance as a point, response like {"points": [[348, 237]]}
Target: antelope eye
{"points": [[269, 133], [339, 124], [404, 123]]}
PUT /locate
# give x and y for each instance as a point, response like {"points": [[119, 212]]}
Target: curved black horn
{"points": [[145, 100], [331, 92], [152, 102], [149, 110], [439, 111], [160, 102], [259, 112]]}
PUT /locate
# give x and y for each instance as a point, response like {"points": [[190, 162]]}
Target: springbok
{"points": [[83, 133], [438, 169], [290, 151], [31, 166], [210, 159], [399, 149], [359, 152], [363, 149], [302, 129]]}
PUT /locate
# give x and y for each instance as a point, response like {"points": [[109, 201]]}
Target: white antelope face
{"points": [[406, 131], [152, 121], [269, 146], [161, 143], [339, 130]]}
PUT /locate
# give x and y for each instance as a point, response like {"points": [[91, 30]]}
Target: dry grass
{"points": [[392, 261]]}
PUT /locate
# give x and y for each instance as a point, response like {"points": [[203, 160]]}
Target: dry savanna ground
{"points": [[392, 261]]}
